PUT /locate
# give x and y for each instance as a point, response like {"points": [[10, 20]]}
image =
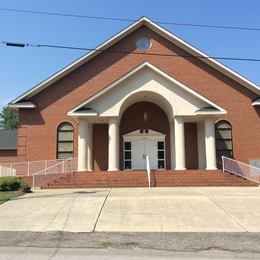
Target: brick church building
{"points": [[144, 92]]}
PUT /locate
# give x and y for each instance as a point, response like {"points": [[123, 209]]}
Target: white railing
{"points": [[148, 170], [53, 172], [26, 168], [7, 171], [241, 169]]}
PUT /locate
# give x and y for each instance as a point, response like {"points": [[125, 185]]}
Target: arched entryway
{"points": [[144, 127]]}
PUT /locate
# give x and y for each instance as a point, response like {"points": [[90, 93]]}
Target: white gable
{"points": [[146, 82]]}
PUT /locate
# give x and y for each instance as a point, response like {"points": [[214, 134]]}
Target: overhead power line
{"points": [[22, 45], [130, 20]]}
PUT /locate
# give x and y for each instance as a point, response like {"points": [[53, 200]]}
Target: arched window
{"points": [[65, 141], [224, 145]]}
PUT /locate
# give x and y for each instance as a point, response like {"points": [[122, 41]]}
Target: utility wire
{"points": [[22, 45], [129, 20]]}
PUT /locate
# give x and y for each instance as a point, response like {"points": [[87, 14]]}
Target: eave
{"points": [[22, 105], [256, 102]]}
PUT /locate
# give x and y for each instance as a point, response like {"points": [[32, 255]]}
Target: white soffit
{"points": [[158, 29], [22, 105], [256, 102], [153, 68]]}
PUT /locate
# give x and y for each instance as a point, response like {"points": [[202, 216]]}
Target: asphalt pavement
{"points": [[67, 245]]}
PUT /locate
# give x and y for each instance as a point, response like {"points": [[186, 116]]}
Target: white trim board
{"points": [[158, 29], [256, 102], [22, 105]]}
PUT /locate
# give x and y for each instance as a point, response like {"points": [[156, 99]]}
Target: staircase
{"points": [[168, 178], [198, 178]]}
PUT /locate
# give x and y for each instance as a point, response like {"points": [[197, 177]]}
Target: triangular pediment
{"points": [[142, 132], [158, 87]]}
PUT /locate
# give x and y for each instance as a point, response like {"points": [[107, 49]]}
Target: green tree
{"points": [[9, 118]]}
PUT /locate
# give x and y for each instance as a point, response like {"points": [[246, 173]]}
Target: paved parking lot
{"points": [[135, 210]]}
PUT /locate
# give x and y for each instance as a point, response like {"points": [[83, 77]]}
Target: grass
{"points": [[8, 195]]}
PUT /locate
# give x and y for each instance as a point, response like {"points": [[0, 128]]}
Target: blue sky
{"points": [[22, 68]]}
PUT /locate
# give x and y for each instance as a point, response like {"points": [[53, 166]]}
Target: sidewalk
{"points": [[135, 210]]}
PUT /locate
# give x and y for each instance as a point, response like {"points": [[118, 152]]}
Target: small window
{"points": [[128, 146], [143, 44], [160, 145], [161, 164], [224, 143], [65, 141], [127, 156], [128, 165], [161, 155]]}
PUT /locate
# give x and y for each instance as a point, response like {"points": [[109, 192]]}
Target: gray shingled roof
{"points": [[8, 139]]}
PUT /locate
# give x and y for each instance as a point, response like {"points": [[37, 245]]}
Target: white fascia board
{"points": [[160, 30], [78, 114], [22, 105], [211, 112], [256, 102], [163, 74]]}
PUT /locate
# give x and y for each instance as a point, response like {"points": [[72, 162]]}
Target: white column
{"points": [[180, 163], [210, 144], [85, 146], [90, 147], [113, 144], [201, 145], [172, 143], [82, 145]]}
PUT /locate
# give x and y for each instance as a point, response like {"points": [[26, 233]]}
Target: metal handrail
{"points": [[148, 169], [55, 173], [26, 168], [241, 169]]}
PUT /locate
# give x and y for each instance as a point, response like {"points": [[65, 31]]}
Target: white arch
{"points": [[148, 96]]}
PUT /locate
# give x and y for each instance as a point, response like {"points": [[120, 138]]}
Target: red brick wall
{"points": [[191, 145], [54, 102], [8, 156], [100, 147]]}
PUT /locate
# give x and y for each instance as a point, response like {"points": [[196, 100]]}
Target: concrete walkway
{"points": [[135, 210]]}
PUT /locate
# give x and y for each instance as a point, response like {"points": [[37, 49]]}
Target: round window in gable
{"points": [[143, 44]]}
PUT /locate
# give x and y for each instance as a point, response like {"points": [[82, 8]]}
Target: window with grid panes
{"points": [[224, 144], [65, 141]]}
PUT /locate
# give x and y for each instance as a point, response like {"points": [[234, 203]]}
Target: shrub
{"points": [[24, 187], [13, 184], [3, 185]]}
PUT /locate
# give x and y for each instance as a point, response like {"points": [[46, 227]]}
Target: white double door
{"points": [[141, 148], [141, 144]]}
